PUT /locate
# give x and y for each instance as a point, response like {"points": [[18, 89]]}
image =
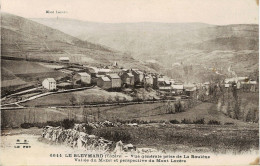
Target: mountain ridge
{"points": [[169, 43]]}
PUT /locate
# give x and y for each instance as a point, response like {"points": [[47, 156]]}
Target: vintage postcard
{"points": [[129, 82]]}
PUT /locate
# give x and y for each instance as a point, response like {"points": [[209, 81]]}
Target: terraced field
{"points": [[25, 71], [18, 74]]}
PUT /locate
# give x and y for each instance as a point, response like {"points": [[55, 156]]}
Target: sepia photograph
{"points": [[129, 82]]}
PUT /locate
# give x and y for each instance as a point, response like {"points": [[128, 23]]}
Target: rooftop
{"points": [[50, 79], [113, 76], [130, 74], [84, 74], [161, 79], [104, 78], [167, 82], [174, 86], [64, 58]]}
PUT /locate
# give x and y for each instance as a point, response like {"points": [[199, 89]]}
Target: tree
{"points": [[143, 95], [237, 102], [85, 115], [109, 99], [73, 100], [117, 98], [124, 99], [178, 106], [170, 109]]}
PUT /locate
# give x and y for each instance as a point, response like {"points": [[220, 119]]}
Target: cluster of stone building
{"points": [[128, 78], [115, 78]]}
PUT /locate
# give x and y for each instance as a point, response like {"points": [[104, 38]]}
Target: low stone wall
{"points": [[76, 138]]}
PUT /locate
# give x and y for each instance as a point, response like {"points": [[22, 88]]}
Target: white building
{"points": [[49, 83], [64, 59]]}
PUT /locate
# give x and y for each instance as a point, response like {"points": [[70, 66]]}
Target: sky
{"points": [[218, 12]]}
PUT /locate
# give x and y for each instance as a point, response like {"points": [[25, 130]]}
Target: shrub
{"points": [[124, 99], [144, 122], [114, 134], [135, 121], [109, 99], [199, 121], [52, 123], [170, 108], [229, 123], [178, 107], [73, 100], [153, 121], [88, 129], [174, 121], [26, 125], [186, 121], [117, 98], [66, 123], [39, 125], [214, 122], [15, 127], [162, 121]]}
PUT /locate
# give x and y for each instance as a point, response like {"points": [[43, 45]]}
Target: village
{"points": [[114, 78]]}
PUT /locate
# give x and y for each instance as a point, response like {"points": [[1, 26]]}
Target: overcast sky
{"points": [[114, 11]]}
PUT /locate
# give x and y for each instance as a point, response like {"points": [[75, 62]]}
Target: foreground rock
{"points": [[77, 138]]}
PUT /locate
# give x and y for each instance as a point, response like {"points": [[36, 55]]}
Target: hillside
{"points": [[164, 44], [27, 39]]}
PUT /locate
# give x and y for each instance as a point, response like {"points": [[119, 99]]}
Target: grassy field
{"points": [[13, 118], [81, 97], [9, 79], [23, 67], [26, 70], [208, 111], [189, 138], [249, 98], [143, 112], [18, 74], [235, 138]]}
